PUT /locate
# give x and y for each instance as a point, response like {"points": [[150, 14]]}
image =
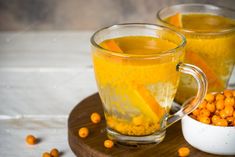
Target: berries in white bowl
{"points": [[211, 127]]}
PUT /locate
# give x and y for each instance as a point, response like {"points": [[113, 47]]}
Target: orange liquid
{"points": [[136, 93], [214, 54]]}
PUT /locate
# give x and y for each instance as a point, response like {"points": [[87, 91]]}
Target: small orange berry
{"points": [[108, 143], [220, 105], [95, 118], [55, 153], [209, 97], [221, 122], [83, 132], [183, 151], [229, 101], [46, 154], [30, 139], [228, 110], [210, 107], [202, 105], [219, 97], [204, 119], [228, 93], [223, 114], [204, 113], [196, 112], [234, 114], [214, 119]]}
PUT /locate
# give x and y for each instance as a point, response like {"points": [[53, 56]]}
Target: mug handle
{"points": [[202, 83]]}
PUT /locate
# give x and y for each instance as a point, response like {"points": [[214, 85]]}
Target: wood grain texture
{"points": [[92, 146]]}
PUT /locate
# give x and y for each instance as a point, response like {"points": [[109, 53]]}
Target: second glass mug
{"points": [[137, 90], [213, 50]]}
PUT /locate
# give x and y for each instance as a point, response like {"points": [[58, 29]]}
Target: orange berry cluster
{"points": [[217, 109], [83, 132], [53, 153], [32, 140], [95, 118]]}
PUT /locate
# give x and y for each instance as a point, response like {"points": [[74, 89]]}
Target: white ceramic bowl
{"points": [[209, 138]]}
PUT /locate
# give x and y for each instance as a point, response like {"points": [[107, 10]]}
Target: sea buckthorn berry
{"points": [[183, 152], [55, 153], [30, 139], [217, 109], [46, 154], [209, 97], [228, 110], [95, 117], [83, 132], [196, 112], [228, 93], [204, 119], [204, 113], [202, 105], [108, 143], [221, 122], [220, 105], [214, 119], [210, 107], [229, 101], [219, 97], [223, 114]]}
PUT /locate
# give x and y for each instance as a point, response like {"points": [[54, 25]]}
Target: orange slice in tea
{"points": [[112, 46], [176, 20], [147, 103], [213, 79], [149, 100], [140, 99]]}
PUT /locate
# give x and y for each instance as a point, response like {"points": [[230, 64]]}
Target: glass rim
{"points": [[222, 31], [147, 26]]}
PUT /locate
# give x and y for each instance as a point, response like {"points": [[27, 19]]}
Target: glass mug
{"points": [[137, 90], [210, 46]]}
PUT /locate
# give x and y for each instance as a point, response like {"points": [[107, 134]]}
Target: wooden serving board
{"points": [[92, 146]]}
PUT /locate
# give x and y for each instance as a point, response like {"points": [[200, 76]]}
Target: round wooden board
{"points": [[92, 146]]}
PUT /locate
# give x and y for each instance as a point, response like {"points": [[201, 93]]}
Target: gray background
{"points": [[82, 14]]}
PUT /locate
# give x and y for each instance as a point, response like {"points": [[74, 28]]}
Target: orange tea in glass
{"points": [[210, 35], [137, 70]]}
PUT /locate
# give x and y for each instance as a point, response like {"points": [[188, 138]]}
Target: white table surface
{"points": [[43, 75]]}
